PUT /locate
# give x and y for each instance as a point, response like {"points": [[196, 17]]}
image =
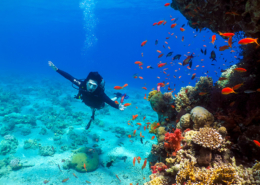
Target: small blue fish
{"points": [[156, 42]]}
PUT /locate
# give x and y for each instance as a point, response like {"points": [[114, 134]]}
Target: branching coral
{"points": [[208, 138], [173, 141]]}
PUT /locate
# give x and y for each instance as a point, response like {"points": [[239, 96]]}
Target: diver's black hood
{"points": [[97, 77]]}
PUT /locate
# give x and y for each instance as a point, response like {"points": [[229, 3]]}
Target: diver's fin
{"points": [[88, 125]]}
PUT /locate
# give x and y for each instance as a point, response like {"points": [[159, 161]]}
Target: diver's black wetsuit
{"points": [[98, 98]]}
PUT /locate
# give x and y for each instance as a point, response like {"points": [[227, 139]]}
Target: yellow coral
{"points": [[221, 174], [161, 180], [151, 93], [170, 160], [153, 128]]}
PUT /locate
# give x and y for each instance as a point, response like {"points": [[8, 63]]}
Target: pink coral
{"points": [[173, 141]]}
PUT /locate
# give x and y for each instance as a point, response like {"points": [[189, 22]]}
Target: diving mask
{"points": [[92, 85]]}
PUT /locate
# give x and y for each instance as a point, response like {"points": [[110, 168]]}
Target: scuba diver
{"points": [[91, 91]]}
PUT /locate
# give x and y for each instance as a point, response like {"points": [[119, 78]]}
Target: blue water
{"points": [[104, 36]]}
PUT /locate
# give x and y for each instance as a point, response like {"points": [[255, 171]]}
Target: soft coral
{"points": [[173, 141], [159, 167]]}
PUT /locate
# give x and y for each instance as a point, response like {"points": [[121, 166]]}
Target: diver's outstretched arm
{"points": [[64, 74]]}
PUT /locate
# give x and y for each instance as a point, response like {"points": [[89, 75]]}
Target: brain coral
{"points": [[185, 121], [201, 117], [208, 138], [151, 94], [86, 156]]}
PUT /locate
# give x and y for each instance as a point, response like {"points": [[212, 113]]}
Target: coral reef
{"points": [[8, 145], [189, 96], [225, 16], [161, 103], [201, 117], [46, 150]]}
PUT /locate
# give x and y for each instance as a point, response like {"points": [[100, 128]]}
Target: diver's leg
{"points": [[91, 119]]}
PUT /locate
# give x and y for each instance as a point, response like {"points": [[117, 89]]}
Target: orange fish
{"points": [[127, 104], [226, 34], [232, 103], [228, 90], [239, 69], [85, 166], [74, 175], [160, 22], [167, 4], [129, 136], [237, 86], [135, 116], [139, 124], [258, 90], [166, 42], [119, 87], [144, 118], [173, 106], [65, 180], [138, 62], [144, 128], [223, 48], [213, 38], [144, 88], [143, 43], [162, 64], [116, 102], [138, 159], [182, 29], [118, 178], [144, 165], [230, 42], [257, 143], [134, 161], [232, 13], [173, 25], [160, 55], [248, 41], [154, 23], [202, 93], [164, 22], [134, 132], [158, 51], [152, 137]]}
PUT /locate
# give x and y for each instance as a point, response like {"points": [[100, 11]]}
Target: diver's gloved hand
{"points": [[121, 107], [52, 66], [114, 99]]}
